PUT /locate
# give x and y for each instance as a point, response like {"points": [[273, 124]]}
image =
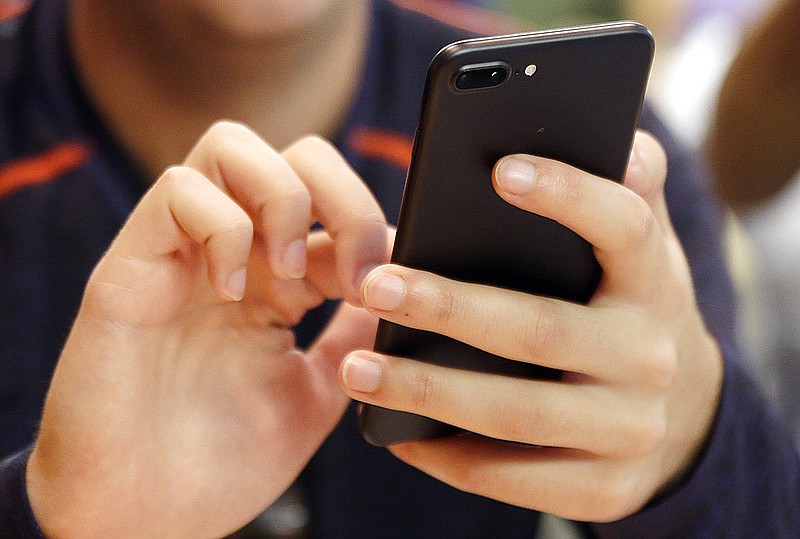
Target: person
{"points": [[756, 175], [199, 380]]}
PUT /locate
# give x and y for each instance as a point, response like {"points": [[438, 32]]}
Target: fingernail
{"points": [[516, 176], [361, 374], [384, 291], [295, 259], [236, 283]]}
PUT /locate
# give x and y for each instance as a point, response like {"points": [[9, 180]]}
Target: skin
{"points": [[174, 398], [181, 407], [630, 415], [161, 72]]}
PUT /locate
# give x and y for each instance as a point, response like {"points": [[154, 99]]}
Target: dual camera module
{"points": [[485, 76]]}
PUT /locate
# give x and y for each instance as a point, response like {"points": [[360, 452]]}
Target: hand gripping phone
{"points": [[573, 95]]}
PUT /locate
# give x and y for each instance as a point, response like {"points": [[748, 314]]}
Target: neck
{"points": [[160, 88]]}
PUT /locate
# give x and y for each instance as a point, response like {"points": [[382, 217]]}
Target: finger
{"points": [[291, 300], [616, 221], [522, 327], [322, 262], [647, 168], [578, 415], [350, 329], [257, 177], [646, 174], [570, 484], [345, 207], [181, 210]]}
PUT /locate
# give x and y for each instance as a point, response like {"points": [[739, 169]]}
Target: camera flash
{"points": [[530, 70]]}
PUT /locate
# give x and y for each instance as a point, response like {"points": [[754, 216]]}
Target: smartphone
{"points": [[573, 95]]}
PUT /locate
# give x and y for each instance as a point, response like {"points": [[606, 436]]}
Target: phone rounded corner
{"points": [[644, 33], [447, 53]]}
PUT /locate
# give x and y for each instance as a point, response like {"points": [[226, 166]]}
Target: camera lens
{"points": [[481, 77]]}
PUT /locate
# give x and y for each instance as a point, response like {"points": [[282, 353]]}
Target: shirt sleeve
{"points": [[16, 515], [746, 484]]}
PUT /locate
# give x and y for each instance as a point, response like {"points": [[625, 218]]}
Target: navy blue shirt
{"points": [[66, 187]]}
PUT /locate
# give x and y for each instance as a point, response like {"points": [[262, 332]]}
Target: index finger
{"points": [[252, 172], [621, 225], [346, 208]]}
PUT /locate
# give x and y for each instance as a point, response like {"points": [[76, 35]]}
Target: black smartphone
{"points": [[574, 95]]}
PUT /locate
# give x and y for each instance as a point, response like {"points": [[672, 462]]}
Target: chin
{"points": [[258, 19]]}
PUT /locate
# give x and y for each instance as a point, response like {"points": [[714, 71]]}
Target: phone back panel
{"points": [[581, 106]]}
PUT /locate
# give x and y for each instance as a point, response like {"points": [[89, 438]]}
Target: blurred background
{"points": [[552, 13], [695, 42]]}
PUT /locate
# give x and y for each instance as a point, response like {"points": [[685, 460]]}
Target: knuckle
{"points": [[446, 307], [225, 137], [607, 496], [541, 331], [571, 187], [240, 226], [514, 428], [659, 369], [176, 177], [180, 182], [640, 224], [615, 503], [229, 137], [225, 130], [679, 289], [653, 434], [286, 200], [313, 144], [645, 433], [523, 425], [423, 391], [659, 156]]}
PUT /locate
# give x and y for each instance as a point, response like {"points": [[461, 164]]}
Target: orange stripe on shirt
{"points": [[392, 148], [10, 9], [464, 16], [43, 167]]}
